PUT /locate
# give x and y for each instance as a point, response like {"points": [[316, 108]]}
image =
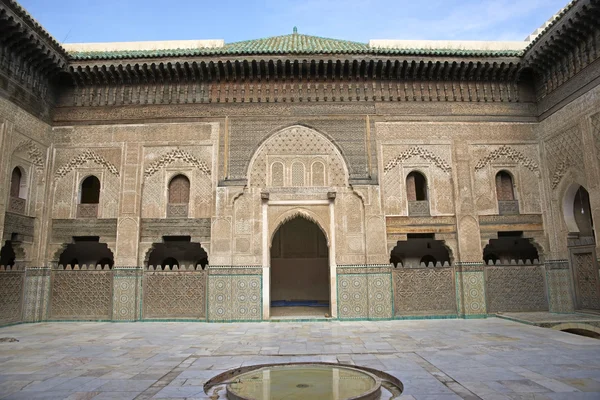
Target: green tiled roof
{"points": [[294, 44]]}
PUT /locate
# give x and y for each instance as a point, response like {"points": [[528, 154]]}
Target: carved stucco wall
{"points": [[522, 163], [11, 296], [162, 163], [24, 142], [433, 161], [85, 295], [424, 291], [175, 294], [513, 289], [570, 153], [73, 165]]}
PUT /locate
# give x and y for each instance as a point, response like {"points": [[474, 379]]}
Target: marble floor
{"points": [[435, 359]]}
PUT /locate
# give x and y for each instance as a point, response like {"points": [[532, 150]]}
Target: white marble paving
{"points": [[435, 359]]}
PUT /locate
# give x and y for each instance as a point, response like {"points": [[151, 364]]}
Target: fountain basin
{"points": [[304, 381]]}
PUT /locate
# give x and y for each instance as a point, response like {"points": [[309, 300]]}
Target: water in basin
{"points": [[292, 382]]}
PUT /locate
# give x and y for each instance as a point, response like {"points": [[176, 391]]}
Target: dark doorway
{"points": [[299, 270]]}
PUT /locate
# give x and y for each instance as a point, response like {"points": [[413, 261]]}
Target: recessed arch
{"points": [[89, 190], [179, 189], [299, 213], [505, 186], [300, 142], [577, 211], [416, 186], [299, 269]]}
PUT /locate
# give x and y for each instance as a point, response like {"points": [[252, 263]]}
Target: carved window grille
{"points": [[297, 174], [318, 174], [16, 205], [416, 193], [277, 174], [179, 197], [507, 204]]}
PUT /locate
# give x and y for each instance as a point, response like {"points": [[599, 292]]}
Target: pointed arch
{"points": [[298, 141], [299, 213]]}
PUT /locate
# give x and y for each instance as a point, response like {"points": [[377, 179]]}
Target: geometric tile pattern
{"points": [[81, 295], [424, 291], [559, 290], [234, 297], [174, 295], [471, 285], [588, 287], [365, 296], [515, 289], [11, 289], [126, 290]]}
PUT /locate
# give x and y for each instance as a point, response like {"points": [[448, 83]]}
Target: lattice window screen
{"points": [[318, 174], [297, 174], [277, 174]]}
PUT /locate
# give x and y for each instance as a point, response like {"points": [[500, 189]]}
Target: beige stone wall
{"points": [[24, 142], [570, 152], [134, 163]]}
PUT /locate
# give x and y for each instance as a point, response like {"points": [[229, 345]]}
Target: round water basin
{"points": [[304, 381]]}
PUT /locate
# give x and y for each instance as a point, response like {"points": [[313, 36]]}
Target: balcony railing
{"points": [[508, 207], [16, 205], [177, 210], [418, 208], [87, 210]]}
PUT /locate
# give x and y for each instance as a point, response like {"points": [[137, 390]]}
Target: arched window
{"points": [[297, 174], [15, 183], [277, 174], [583, 212], [504, 186], [416, 193], [318, 174], [416, 187], [90, 190], [179, 190]]}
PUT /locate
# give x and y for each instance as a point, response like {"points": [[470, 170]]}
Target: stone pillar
{"points": [[559, 286], [128, 225], [36, 296], [470, 279], [5, 133], [332, 263], [266, 270], [127, 292]]}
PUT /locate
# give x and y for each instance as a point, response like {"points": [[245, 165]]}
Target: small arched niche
{"points": [[89, 197], [179, 197], [577, 211], [417, 194], [505, 194], [18, 191]]}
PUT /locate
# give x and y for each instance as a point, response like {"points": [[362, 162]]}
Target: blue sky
{"points": [[73, 21]]}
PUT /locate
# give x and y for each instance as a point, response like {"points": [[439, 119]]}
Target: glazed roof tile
{"points": [[293, 44]]}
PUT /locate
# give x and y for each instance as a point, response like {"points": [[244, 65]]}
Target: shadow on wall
{"points": [[87, 250], [508, 247], [420, 250], [177, 250]]}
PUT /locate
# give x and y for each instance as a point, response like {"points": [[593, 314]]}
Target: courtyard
{"points": [[435, 359]]}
